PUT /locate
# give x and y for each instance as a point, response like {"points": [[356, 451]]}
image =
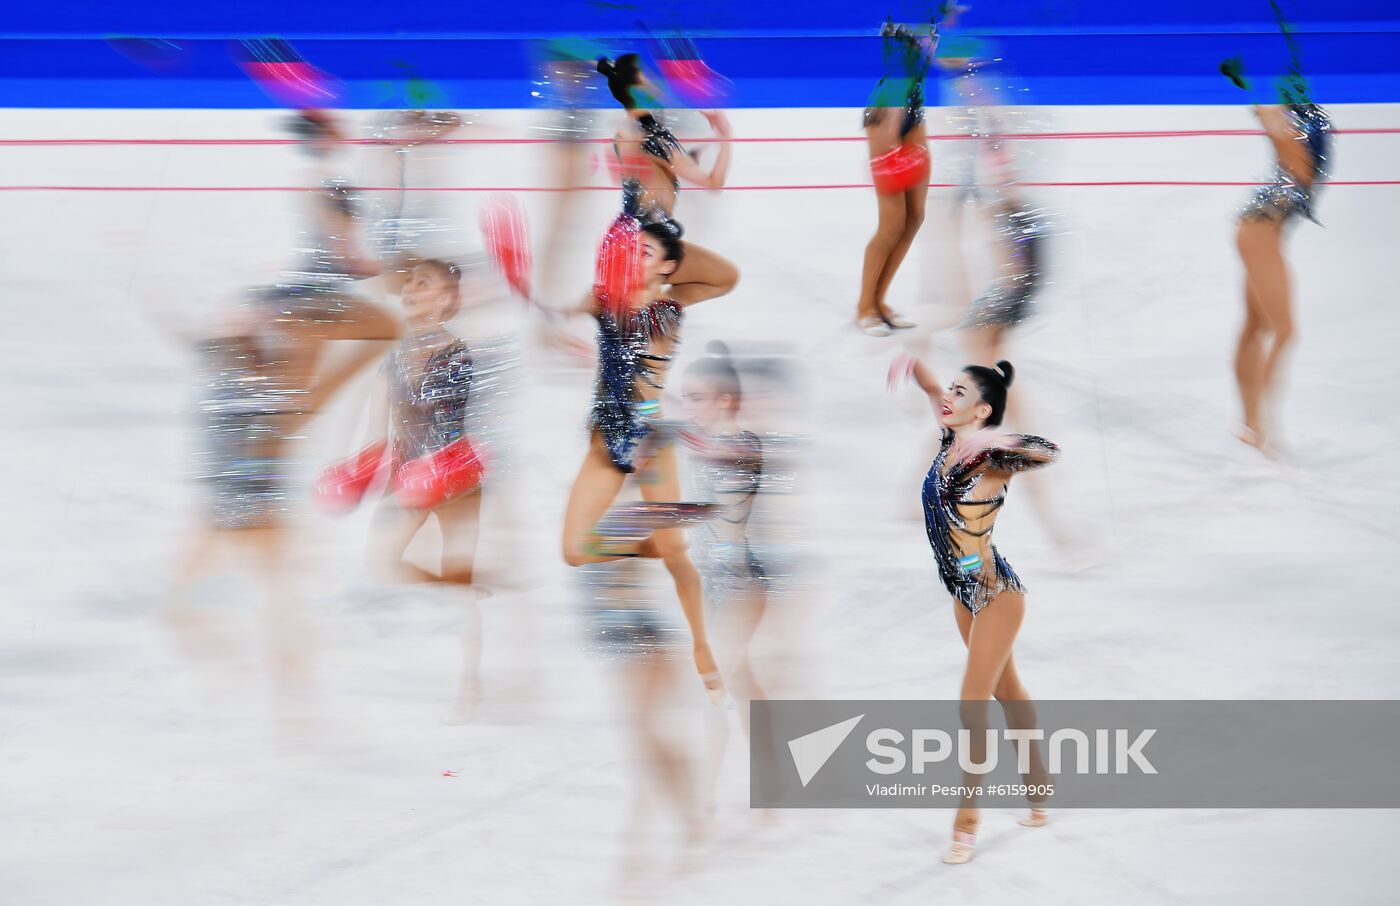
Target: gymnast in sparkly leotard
{"points": [[263, 378], [961, 501], [653, 163], [636, 342], [899, 164], [963, 494], [634, 350], [1300, 132]]}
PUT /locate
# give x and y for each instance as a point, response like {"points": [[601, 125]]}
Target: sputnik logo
{"points": [[812, 751]]}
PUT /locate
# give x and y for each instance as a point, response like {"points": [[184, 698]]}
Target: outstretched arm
{"points": [[906, 367], [688, 170], [1021, 452]]}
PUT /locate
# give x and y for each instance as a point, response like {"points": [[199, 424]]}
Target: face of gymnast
{"points": [[656, 267], [963, 406], [707, 404], [431, 297]]}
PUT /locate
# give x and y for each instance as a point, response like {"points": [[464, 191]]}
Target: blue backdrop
{"points": [[813, 54]]}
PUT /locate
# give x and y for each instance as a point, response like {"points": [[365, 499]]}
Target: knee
{"points": [[912, 222], [574, 553], [973, 712], [675, 555], [671, 548], [888, 234], [1011, 692], [1283, 331], [729, 276]]}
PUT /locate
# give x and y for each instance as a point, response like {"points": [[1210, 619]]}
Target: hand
{"points": [[718, 122], [970, 445], [900, 370], [555, 336]]}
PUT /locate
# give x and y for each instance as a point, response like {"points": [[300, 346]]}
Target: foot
{"points": [[1038, 817], [873, 326], [961, 849], [764, 817], [465, 706], [896, 321], [1255, 438]]}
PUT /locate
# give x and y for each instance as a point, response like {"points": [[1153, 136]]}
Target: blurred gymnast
{"points": [[899, 164], [420, 435], [262, 380], [636, 342], [1300, 132], [729, 467], [652, 164], [964, 491]]}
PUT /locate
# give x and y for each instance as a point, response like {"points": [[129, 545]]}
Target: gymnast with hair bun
{"points": [[653, 163], [637, 340], [962, 494]]}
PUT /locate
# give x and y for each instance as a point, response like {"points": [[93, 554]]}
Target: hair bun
{"points": [[717, 348], [1008, 373], [606, 67]]}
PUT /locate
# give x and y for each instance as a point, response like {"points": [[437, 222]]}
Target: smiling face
{"points": [[963, 405], [429, 297]]}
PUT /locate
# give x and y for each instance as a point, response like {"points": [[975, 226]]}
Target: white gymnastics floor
{"points": [[1214, 575]]}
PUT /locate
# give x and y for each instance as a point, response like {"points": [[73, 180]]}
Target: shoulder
{"points": [[666, 315]]}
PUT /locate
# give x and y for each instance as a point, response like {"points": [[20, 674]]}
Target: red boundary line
{"points": [[1028, 136], [856, 185]]}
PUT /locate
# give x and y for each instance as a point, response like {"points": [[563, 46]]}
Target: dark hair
{"points": [[668, 233], [622, 73], [718, 369], [313, 129], [993, 383]]}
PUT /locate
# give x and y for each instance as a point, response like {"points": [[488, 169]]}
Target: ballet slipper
{"points": [[897, 322], [961, 849], [873, 326], [1038, 817]]}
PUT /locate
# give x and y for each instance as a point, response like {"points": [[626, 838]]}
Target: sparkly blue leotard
{"points": [[959, 523], [1011, 298], [659, 143], [247, 413], [731, 476], [623, 360], [428, 408], [1284, 197]]}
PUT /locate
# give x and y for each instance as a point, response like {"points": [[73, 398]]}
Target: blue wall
{"points": [[819, 53]]}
